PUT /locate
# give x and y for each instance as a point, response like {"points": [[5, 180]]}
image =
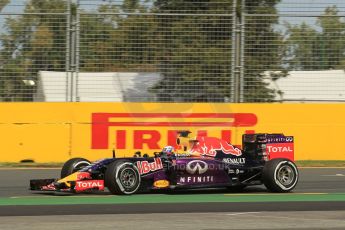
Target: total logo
{"points": [[145, 167], [89, 184], [196, 167], [280, 150], [275, 149]]}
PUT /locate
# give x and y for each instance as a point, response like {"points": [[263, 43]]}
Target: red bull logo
{"points": [[83, 175], [146, 167], [210, 145]]}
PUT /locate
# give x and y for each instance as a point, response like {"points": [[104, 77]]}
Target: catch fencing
{"points": [[172, 51]]}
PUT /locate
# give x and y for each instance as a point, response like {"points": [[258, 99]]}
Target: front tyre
{"points": [[122, 178], [73, 165], [280, 175]]}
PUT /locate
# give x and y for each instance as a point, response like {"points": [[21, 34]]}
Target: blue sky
{"points": [[311, 8], [286, 6]]}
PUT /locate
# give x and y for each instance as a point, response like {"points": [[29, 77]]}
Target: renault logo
{"points": [[196, 167]]}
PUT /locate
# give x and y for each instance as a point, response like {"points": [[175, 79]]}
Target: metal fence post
{"points": [[233, 53], [241, 64], [77, 52], [237, 50], [73, 58], [68, 50]]}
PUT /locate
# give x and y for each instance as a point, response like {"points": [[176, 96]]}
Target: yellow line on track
{"points": [[320, 167]]}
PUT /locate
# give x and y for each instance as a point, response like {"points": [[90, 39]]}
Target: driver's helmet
{"points": [[168, 150]]}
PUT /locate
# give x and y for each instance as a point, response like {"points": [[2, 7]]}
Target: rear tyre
{"points": [[280, 175], [122, 178], [73, 165]]}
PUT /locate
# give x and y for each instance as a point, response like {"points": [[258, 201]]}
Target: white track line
{"points": [[241, 213]]}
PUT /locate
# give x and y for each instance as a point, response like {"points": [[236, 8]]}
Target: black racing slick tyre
{"points": [[73, 165], [122, 178], [280, 175]]}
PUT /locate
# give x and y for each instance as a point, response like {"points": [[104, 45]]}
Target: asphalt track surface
{"points": [[319, 189], [318, 202]]}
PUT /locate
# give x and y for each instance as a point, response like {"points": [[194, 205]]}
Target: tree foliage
{"points": [[3, 3], [319, 47], [205, 70], [33, 42], [193, 53], [264, 50], [117, 40], [196, 63]]}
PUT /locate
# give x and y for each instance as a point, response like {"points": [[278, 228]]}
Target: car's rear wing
{"points": [[269, 146]]}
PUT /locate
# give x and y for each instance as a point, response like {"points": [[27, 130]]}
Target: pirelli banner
{"points": [[55, 132]]}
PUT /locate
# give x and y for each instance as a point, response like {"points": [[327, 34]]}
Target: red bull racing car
{"points": [[210, 162]]}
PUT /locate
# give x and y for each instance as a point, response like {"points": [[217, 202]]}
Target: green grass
{"points": [[318, 163], [178, 198]]}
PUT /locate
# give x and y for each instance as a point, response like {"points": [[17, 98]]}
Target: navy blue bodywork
{"points": [[186, 171]]}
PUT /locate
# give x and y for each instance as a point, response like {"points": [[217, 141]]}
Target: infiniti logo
{"points": [[197, 167]]}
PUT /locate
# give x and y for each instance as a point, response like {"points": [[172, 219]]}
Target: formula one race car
{"points": [[210, 162]]}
